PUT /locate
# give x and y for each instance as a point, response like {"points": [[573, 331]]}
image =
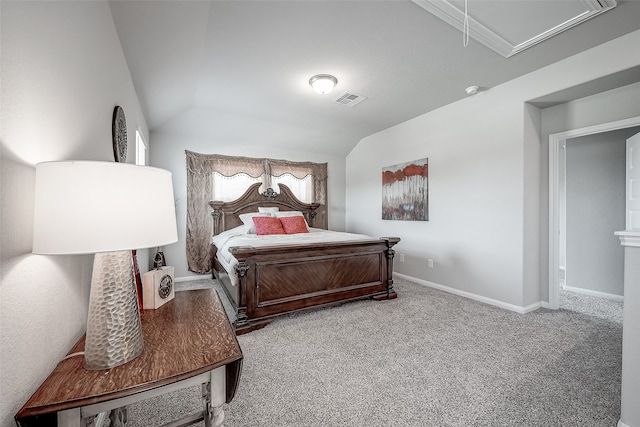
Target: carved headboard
{"points": [[226, 215]]}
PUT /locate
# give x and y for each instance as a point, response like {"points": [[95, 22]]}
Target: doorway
{"points": [[556, 197]]}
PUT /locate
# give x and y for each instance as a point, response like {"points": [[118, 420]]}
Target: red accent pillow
{"points": [[268, 225], [294, 224]]}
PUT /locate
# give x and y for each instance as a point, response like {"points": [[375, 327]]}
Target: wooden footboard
{"points": [[279, 280]]}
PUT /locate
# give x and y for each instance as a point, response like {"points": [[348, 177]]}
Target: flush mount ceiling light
{"points": [[472, 90], [323, 83]]}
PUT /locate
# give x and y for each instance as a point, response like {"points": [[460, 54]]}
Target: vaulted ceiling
{"points": [[214, 69]]}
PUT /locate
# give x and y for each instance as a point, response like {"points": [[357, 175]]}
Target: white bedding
{"points": [[238, 237]]}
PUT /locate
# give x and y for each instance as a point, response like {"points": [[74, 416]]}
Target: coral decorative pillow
{"points": [[294, 224], [247, 220], [268, 225]]}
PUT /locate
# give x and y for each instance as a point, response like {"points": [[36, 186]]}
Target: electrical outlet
{"points": [[430, 263], [401, 257]]}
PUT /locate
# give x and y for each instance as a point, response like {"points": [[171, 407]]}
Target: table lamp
{"points": [[107, 209]]}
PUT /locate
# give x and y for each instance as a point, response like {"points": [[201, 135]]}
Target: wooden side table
{"points": [[188, 341]]}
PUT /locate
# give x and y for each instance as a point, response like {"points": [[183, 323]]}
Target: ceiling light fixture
{"points": [[323, 83], [472, 90]]}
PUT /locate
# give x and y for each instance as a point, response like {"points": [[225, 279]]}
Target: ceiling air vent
{"points": [[349, 99]]}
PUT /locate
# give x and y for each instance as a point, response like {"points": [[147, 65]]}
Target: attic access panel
{"points": [[509, 26]]}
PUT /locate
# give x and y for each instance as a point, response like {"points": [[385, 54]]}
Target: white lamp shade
{"points": [[323, 83], [88, 207]]}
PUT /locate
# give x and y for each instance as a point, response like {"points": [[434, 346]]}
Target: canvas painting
{"points": [[405, 191]]}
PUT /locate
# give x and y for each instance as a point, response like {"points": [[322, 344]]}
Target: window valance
{"points": [[201, 171]]}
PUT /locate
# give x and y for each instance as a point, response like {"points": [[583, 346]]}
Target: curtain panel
{"points": [[200, 168]]}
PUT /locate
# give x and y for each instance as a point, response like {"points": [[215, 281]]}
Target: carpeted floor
{"points": [[592, 306], [586, 304], [428, 358]]}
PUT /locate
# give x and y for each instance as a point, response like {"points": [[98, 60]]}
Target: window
{"points": [[141, 149], [302, 188], [226, 178], [228, 188]]}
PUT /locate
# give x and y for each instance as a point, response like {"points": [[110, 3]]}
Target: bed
{"points": [[269, 279]]}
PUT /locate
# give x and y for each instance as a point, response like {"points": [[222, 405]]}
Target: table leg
{"points": [[218, 417], [213, 398]]}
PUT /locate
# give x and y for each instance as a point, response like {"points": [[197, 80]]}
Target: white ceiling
{"points": [[217, 69]]}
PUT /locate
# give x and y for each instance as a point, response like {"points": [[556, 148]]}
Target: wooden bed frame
{"points": [[282, 279]]}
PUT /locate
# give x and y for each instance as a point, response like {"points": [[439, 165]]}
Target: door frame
{"points": [[555, 142]]}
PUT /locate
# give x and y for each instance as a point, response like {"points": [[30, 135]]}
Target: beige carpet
{"points": [[427, 358]]}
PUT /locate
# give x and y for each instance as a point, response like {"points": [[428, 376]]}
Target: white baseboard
{"points": [[613, 297], [501, 304], [189, 278]]}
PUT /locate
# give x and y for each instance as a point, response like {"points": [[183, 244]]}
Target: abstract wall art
{"points": [[405, 191]]}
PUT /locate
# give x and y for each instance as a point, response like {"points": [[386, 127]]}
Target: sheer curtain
{"points": [[217, 177]]}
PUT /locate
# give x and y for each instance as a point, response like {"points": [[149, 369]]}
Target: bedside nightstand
{"points": [[188, 341]]}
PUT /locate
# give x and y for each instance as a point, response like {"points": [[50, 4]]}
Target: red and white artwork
{"points": [[405, 191]]}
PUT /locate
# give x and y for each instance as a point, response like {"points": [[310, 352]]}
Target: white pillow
{"points": [[268, 210], [288, 213], [247, 220]]}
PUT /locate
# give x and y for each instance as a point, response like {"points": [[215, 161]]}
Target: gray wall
{"points": [[488, 222], [595, 206], [63, 71]]}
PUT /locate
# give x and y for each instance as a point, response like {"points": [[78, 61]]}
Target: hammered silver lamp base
{"points": [[114, 331]]}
